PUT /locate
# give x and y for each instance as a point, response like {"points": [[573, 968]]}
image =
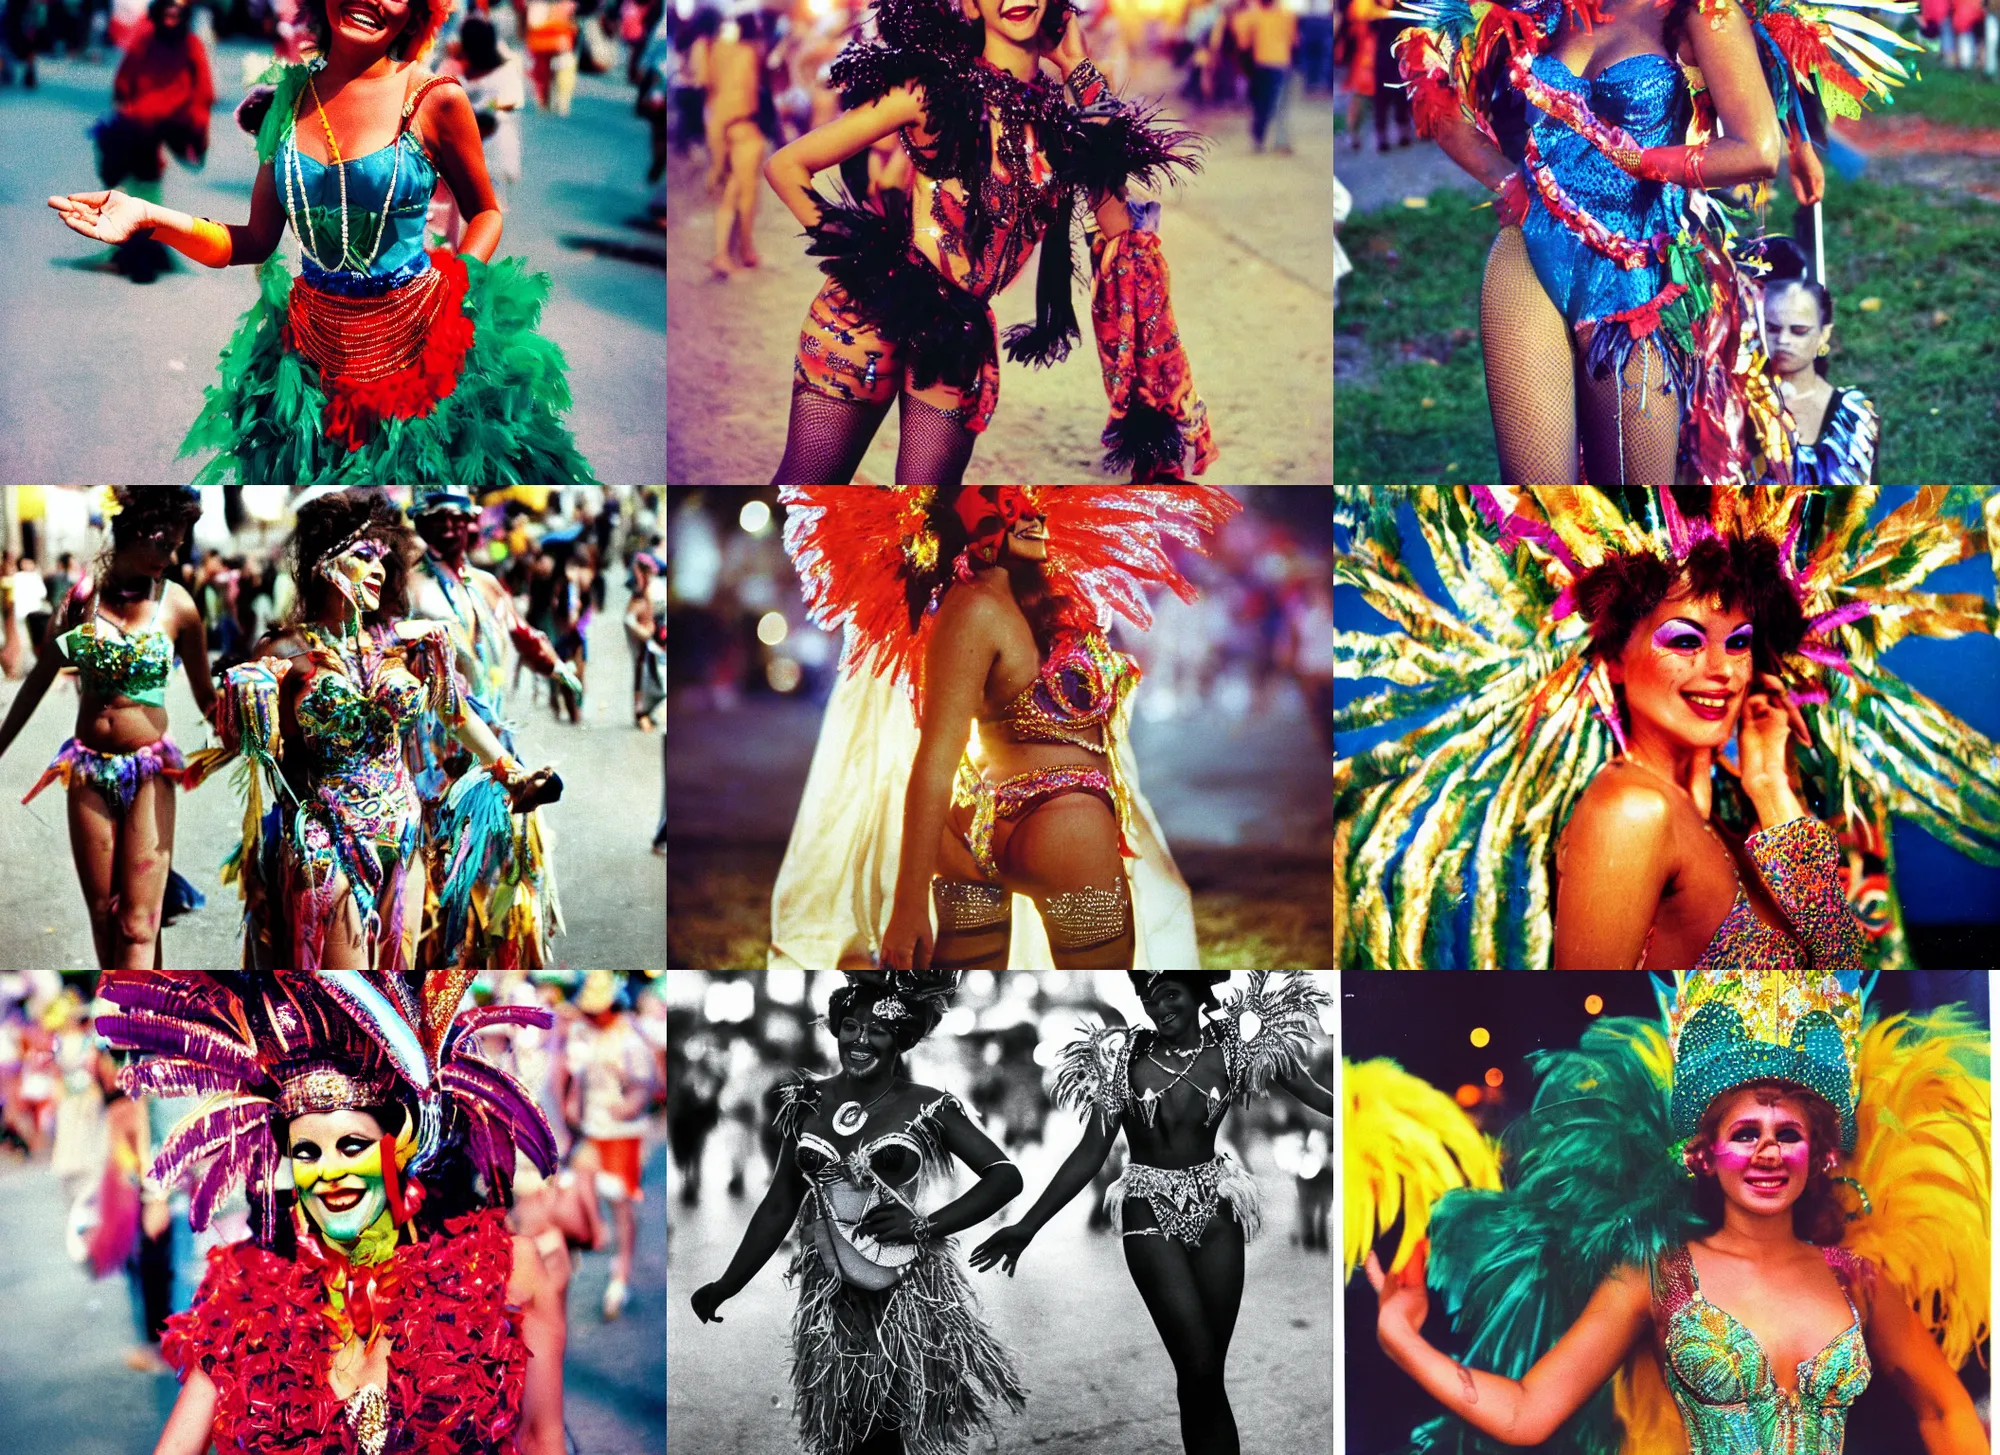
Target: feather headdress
{"points": [[260, 1046], [1406, 1145], [859, 550], [1443, 839]]}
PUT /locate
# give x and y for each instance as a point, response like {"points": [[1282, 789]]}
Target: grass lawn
{"points": [[1411, 396], [1955, 98]]}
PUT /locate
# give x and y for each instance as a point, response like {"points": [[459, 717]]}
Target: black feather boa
{"points": [[1145, 441], [942, 332]]}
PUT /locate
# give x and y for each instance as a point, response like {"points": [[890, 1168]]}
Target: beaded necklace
{"points": [[296, 176]]}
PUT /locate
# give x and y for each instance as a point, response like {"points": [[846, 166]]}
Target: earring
{"points": [[1824, 349]]}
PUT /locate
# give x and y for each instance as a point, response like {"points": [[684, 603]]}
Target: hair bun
{"points": [[1785, 258]]}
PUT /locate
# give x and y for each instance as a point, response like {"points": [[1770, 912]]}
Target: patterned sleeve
{"points": [[1800, 860], [1268, 1031], [1090, 1074]]}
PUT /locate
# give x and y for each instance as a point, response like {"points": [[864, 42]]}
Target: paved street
{"points": [[100, 378], [1249, 245], [67, 1390], [613, 887], [1099, 1381]]}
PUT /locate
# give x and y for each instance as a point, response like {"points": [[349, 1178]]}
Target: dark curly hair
{"points": [[1200, 984], [1047, 612], [1817, 1216], [329, 522], [865, 988], [414, 28], [1744, 573], [145, 509]]}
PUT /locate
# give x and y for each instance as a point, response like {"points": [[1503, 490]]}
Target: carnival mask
{"points": [[988, 512], [338, 1168], [356, 573]]}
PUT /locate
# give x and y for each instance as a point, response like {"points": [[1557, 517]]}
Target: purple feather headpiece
{"points": [[281, 1044]]}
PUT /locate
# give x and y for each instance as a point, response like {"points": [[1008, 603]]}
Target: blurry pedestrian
{"points": [[691, 41], [694, 1108], [548, 29], [1392, 102], [1273, 32], [494, 84], [135, 1232], [60, 581], [644, 633], [1316, 45], [25, 30], [31, 603], [1363, 64], [161, 97], [611, 1087], [735, 144]]}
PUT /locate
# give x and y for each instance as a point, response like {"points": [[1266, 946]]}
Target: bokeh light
{"points": [[1593, 1004], [1494, 1076], [772, 628], [1481, 1036], [1467, 1096], [755, 517]]}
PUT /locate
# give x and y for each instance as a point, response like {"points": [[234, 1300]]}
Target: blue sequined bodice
{"points": [[402, 164], [1646, 95]]}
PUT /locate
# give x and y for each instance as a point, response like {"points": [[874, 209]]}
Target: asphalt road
{"points": [[67, 1390], [613, 887], [1249, 243], [1099, 1380], [100, 378]]}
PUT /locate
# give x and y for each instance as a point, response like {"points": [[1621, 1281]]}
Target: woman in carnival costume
{"points": [[1615, 315], [1674, 1264], [121, 629], [380, 1304], [493, 890], [987, 604], [1183, 1210], [382, 361], [1605, 647], [889, 1353], [334, 874], [1002, 157]]}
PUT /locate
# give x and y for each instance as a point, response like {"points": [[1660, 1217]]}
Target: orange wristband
{"points": [[211, 243]]}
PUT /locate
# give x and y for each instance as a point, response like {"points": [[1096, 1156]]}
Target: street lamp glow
{"points": [[772, 628], [754, 517]]}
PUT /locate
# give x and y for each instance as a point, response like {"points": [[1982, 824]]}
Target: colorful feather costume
{"points": [[1594, 1181], [1406, 1145], [264, 1327], [1628, 248], [868, 562], [1443, 840]]}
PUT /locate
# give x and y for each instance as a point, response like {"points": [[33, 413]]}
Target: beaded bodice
{"points": [[388, 196], [1079, 689], [347, 724], [133, 665], [1722, 1380], [898, 1155]]}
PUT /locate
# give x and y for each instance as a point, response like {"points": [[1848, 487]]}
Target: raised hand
{"points": [[110, 217], [707, 1299], [1070, 49], [1403, 1301], [1003, 1249]]}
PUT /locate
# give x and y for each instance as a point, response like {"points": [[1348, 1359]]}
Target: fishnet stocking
{"points": [[1528, 369], [826, 438], [936, 445], [1631, 427]]}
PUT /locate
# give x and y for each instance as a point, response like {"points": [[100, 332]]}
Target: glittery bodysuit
{"points": [[1722, 1381], [1080, 689]]}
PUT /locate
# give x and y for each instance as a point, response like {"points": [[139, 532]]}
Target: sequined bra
{"points": [[1079, 689], [132, 665], [1800, 862], [1721, 1378]]}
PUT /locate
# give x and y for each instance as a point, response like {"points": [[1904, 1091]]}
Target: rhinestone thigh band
{"points": [[963, 906], [1083, 919]]}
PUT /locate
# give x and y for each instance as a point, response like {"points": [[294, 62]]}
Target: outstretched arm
{"points": [[768, 1225], [1528, 1410], [1007, 1245], [113, 217], [1308, 1092], [792, 167], [1903, 1349]]}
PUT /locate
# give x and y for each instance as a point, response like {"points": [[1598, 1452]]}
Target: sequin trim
{"points": [[1184, 1200], [118, 776], [1083, 919]]}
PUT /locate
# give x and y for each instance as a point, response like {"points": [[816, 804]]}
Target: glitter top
{"points": [[1722, 1381], [1079, 689], [1800, 862], [133, 665]]}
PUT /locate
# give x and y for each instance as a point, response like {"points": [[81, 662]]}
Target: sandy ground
{"points": [[1248, 241]]}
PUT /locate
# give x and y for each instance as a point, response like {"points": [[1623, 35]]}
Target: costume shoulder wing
{"points": [[1441, 53], [1268, 1031], [1923, 1158], [798, 1099], [1090, 1074], [1108, 542], [1837, 51], [846, 543]]}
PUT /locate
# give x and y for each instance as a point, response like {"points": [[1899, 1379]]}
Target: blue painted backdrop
{"points": [[1938, 885]]}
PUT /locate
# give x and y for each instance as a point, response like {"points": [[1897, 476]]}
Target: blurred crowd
{"points": [[1259, 639], [733, 1039], [599, 1075]]}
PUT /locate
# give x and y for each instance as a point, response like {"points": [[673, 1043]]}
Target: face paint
{"points": [[355, 573], [343, 1195]]}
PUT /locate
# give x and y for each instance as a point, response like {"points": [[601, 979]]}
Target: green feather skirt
{"points": [[502, 424]]}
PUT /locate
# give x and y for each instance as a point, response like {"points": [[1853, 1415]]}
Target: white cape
{"points": [[837, 885]]}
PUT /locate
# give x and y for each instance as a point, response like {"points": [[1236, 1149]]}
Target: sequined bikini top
{"points": [[896, 1156], [1078, 690], [1721, 1378], [348, 724], [132, 664]]}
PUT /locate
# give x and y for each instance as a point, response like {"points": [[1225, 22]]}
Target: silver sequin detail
{"points": [[1085, 918], [965, 905]]}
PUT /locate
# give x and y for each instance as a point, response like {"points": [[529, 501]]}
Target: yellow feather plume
{"points": [[1924, 1154], [1639, 1393], [1406, 1145]]}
